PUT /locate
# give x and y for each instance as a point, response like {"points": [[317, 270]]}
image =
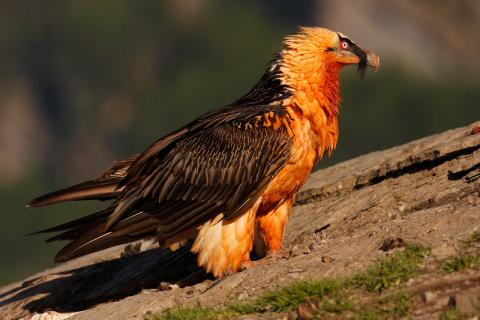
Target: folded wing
{"points": [[219, 164]]}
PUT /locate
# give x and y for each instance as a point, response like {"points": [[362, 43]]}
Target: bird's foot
{"points": [[247, 265], [251, 264], [278, 255], [272, 256]]}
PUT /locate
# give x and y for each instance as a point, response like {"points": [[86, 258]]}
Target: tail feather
{"points": [[92, 241], [80, 222], [88, 235], [95, 239], [104, 188], [90, 190]]}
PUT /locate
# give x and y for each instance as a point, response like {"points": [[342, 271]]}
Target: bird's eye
{"points": [[344, 45]]}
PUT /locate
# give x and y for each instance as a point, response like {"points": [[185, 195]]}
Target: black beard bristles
{"points": [[362, 68], [363, 63]]}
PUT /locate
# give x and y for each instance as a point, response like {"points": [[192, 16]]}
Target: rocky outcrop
{"points": [[426, 191]]}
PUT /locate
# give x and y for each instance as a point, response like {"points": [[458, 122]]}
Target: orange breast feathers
{"points": [[313, 74]]}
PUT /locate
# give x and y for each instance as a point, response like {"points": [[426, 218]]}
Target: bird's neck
{"points": [[309, 88], [316, 95]]}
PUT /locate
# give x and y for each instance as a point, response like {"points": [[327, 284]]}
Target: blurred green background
{"points": [[85, 82]]}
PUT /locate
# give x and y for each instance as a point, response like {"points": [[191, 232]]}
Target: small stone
{"points": [[428, 296], [189, 291], [391, 243], [208, 282], [307, 310], [314, 247], [327, 259], [164, 286], [299, 249], [174, 287], [468, 302], [131, 250]]}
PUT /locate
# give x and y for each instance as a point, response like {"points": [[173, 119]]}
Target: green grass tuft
{"points": [[331, 296], [472, 239], [289, 297], [393, 306], [299, 292], [452, 314], [461, 262], [391, 271], [190, 313], [466, 258]]}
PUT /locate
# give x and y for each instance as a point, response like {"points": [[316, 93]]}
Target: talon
{"points": [[247, 265]]}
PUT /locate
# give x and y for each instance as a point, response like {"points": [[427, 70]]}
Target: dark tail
{"points": [[103, 188], [87, 234], [90, 233]]}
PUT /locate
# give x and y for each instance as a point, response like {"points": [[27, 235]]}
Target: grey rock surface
{"points": [[426, 191]]}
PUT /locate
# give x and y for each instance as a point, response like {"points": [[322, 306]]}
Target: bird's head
{"points": [[326, 49], [306, 70], [309, 66]]}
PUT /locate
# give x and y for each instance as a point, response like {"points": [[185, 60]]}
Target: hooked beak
{"points": [[373, 60], [361, 57], [366, 59]]}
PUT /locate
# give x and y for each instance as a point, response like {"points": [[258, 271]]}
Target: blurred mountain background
{"points": [[87, 82]]}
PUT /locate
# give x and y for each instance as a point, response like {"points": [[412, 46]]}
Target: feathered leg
{"points": [[224, 246], [270, 229]]}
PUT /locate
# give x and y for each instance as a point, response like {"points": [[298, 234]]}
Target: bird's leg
{"points": [[223, 246], [269, 232]]}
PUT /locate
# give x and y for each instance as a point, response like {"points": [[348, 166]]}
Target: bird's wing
{"points": [[219, 164], [221, 168]]}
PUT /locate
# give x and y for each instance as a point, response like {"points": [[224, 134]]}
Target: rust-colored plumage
{"points": [[224, 183]]}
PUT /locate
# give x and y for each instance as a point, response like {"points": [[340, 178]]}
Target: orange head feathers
{"points": [[310, 63], [319, 46]]}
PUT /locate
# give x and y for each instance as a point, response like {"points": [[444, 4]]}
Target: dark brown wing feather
{"points": [[103, 188], [220, 169], [220, 163], [268, 91]]}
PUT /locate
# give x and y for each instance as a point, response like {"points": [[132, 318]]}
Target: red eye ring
{"points": [[344, 45]]}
